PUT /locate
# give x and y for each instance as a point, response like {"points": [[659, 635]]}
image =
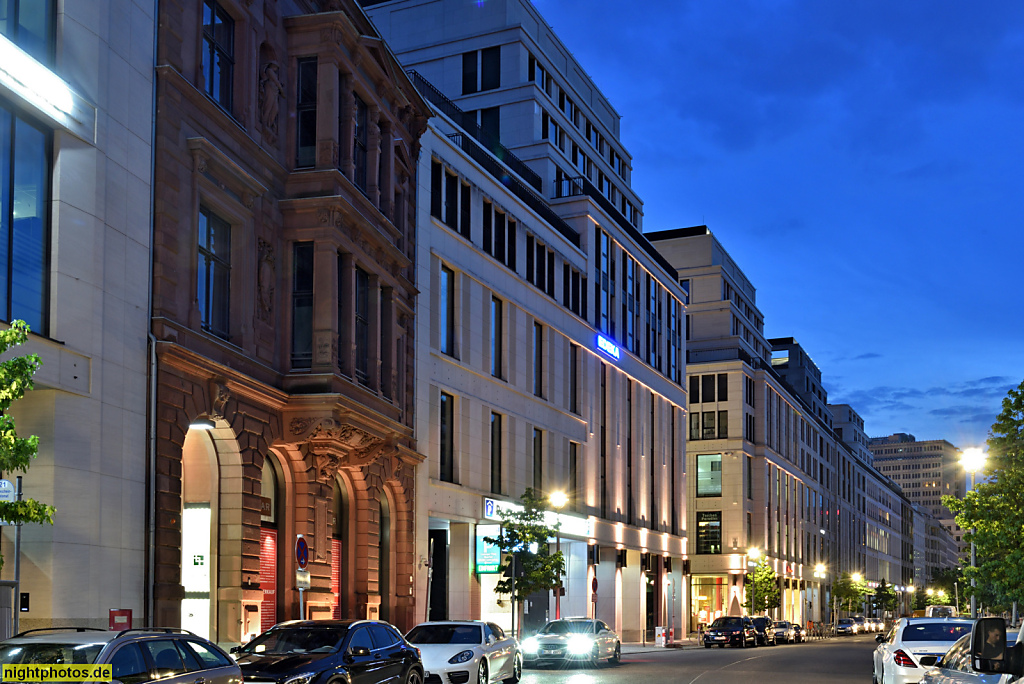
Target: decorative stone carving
{"points": [[201, 163], [265, 281], [219, 397], [270, 92], [327, 153]]}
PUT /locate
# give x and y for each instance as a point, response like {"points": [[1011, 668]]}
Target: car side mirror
{"points": [[879, 638], [989, 654], [357, 651], [235, 649]]}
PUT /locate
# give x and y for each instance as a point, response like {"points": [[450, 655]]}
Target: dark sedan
{"points": [[765, 627], [737, 631], [320, 651]]}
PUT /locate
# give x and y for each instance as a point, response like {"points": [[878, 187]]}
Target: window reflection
{"points": [[29, 25]]}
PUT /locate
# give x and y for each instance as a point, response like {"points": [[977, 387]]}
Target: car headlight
{"points": [[463, 657], [580, 645], [304, 678], [530, 645]]}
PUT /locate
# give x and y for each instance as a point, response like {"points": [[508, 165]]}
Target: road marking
{"points": [[723, 667]]}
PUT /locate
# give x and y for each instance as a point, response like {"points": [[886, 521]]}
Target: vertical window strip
{"points": [[302, 305]]}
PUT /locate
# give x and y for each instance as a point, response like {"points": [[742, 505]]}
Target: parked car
{"points": [[173, 656], [572, 639], [799, 633], [732, 630], [765, 627], [468, 651], [785, 631], [913, 645], [846, 626], [312, 651]]}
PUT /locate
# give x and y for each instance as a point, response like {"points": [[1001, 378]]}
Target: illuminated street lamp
{"points": [[973, 460], [753, 554], [558, 500]]}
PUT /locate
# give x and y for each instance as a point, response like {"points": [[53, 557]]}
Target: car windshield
{"points": [[845, 621], [783, 625], [445, 634], [935, 631], [726, 622], [569, 627], [50, 653], [296, 640], [759, 621]]}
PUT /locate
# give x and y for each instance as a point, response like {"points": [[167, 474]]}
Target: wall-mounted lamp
{"points": [[202, 424]]}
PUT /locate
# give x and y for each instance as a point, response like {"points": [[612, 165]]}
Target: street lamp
{"points": [[973, 460], [558, 500], [753, 554]]}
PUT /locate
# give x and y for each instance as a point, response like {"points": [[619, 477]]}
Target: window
{"points": [[447, 445], [495, 453], [538, 359], [165, 657], [305, 113], [602, 284], [214, 273], [496, 337], [574, 451], [538, 460], [447, 305], [218, 53], [723, 387], [709, 474], [481, 70], [302, 305], [574, 378], [29, 25], [499, 235], [24, 221], [629, 303], [707, 387], [750, 478], [360, 143], [207, 656], [128, 667], [709, 532], [362, 326], [694, 389], [723, 424], [707, 419]]}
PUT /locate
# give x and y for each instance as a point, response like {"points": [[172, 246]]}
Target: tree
{"points": [[527, 565], [846, 590], [884, 597], [992, 515], [762, 589], [16, 453]]}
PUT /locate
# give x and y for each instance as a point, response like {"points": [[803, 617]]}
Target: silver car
{"points": [[173, 656], [470, 651], [573, 639]]}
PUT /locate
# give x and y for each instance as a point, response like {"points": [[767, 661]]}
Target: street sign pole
{"points": [[16, 599], [302, 559]]}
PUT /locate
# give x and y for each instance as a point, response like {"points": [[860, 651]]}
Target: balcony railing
{"points": [[581, 185], [529, 198], [467, 122]]}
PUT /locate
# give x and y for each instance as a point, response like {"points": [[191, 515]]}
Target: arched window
{"points": [[341, 578], [384, 564], [268, 544]]}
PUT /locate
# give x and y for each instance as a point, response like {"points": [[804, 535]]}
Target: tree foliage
{"points": [[992, 515], [849, 593], [527, 563], [762, 589], [884, 598], [16, 453]]}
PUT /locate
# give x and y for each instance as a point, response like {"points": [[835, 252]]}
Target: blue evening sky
{"points": [[861, 162]]}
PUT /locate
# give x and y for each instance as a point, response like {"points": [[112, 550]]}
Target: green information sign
{"points": [[488, 556]]}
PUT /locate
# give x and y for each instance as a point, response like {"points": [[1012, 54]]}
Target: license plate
{"points": [[719, 638], [549, 651]]}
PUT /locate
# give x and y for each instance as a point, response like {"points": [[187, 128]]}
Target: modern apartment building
{"points": [[283, 318], [550, 339], [76, 102]]}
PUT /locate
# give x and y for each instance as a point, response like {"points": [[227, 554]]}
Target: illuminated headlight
{"points": [[463, 657], [530, 645], [580, 645], [304, 678]]}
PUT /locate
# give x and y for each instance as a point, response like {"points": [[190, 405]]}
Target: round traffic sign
{"points": [[593, 585], [301, 552]]}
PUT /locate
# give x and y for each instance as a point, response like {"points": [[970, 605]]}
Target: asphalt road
{"points": [[841, 659]]}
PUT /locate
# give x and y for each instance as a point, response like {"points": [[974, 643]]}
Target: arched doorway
{"points": [[199, 488], [270, 511], [341, 555], [384, 555]]}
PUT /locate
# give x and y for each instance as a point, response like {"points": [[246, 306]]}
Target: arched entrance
{"points": [[199, 488], [341, 550], [384, 580]]}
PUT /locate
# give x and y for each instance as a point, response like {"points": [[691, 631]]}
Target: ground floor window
{"points": [[710, 598]]}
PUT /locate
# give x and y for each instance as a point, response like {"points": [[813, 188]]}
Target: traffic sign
{"points": [[593, 585], [302, 579], [301, 551], [7, 491]]}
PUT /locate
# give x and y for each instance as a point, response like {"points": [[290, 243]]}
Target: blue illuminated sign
{"points": [[608, 347]]}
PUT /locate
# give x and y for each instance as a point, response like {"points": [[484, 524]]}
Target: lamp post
{"points": [[910, 591], [753, 554], [973, 460], [819, 574], [558, 500]]}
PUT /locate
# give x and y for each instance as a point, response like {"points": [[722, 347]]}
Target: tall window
{"points": [[629, 303], [709, 532], [709, 474], [362, 326], [447, 443], [447, 306], [302, 305], [574, 378], [218, 53], [538, 359], [214, 273], [29, 25], [305, 113], [496, 337], [538, 460], [360, 143], [495, 453], [24, 221], [602, 284], [481, 70], [574, 454]]}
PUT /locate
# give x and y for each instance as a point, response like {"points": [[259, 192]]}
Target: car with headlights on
{"points": [[330, 652], [572, 639], [914, 645], [846, 626], [730, 630], [466, 652], [173, 656]]}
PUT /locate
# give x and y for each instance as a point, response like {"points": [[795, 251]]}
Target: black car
{"points": [[765, 630], [322, 651], [734, 630]]}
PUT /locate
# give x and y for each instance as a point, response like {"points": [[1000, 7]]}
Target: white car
{"points": [[573, 639], [470, 651], [913, 645]]}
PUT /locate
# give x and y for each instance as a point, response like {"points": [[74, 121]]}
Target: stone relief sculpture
{"points": [[270, 92], [265, 281]]}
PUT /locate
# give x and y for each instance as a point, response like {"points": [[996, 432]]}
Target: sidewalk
{"points": [[649, 647]]}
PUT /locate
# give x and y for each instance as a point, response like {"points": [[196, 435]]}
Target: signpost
{"points": [[301, 574]]}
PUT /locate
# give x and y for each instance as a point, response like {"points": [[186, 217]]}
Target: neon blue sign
{"points": [[608, 347]]}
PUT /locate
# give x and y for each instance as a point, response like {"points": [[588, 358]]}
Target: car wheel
{"points": [[414, 676], [743, 643], [481, 673], [517, 671], [707, 645], [616, 655]]}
